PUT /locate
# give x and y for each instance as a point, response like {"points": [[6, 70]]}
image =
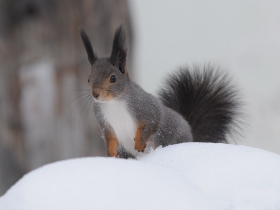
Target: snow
{"points": [[103, 183], [244, 177], [183, 176]]}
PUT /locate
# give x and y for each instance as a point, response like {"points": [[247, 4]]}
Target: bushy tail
{"points": [[207, 99]]}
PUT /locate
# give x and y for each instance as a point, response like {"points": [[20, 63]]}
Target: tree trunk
{"points": [[43, 67]]}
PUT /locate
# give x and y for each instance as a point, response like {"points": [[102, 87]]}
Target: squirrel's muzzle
{"points": [[94, 94]]}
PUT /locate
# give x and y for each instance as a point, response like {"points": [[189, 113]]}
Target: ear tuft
{"points": [[87, 44], [119, 51]]}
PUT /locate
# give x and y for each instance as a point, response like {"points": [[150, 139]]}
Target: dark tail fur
{"points": [[206, 98]]}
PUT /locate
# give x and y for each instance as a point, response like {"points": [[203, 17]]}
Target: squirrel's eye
{"points": [[88, 81], [113, 79]]}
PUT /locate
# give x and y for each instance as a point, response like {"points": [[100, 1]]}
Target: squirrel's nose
{"points": [[95, 95]]}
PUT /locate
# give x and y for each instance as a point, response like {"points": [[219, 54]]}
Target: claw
{"points": [[140, 148]]}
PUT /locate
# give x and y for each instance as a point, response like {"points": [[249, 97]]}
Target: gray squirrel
{"points": [[195, 105]]}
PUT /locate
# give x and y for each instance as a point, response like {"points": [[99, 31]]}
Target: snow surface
{"points": [[244, 177], [183, 176]]}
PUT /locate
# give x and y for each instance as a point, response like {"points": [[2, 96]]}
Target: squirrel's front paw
{"points": [[113, 154], [140, 146]]}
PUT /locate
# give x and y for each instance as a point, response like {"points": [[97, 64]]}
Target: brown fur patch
{"points": [[140, 145], [106, 85], [112, 145], [106, 96]]}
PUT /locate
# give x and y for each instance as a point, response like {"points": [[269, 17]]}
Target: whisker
{"points": [[79, 97], [88, 99], [89, 106], [70, 103], [84, 96]]}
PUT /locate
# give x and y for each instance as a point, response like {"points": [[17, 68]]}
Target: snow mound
{"points": [[243, 177], [184, 176], [104, 183]]}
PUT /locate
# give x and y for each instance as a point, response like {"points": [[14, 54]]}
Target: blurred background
{"points": [[44, 116]]}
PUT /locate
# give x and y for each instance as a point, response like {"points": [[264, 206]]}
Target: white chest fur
{"points": [[117, 116]]}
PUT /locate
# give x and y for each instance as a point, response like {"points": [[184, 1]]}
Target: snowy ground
{"points": [[183, 176]]}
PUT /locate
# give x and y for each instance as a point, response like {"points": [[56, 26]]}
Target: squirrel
{"points": [[195, 105]]}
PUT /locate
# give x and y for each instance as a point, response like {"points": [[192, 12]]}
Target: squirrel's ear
{"points": [[87, 44], [119, 51]]}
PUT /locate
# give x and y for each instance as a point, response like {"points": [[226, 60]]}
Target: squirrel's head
{"points": [[108, 78]]}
